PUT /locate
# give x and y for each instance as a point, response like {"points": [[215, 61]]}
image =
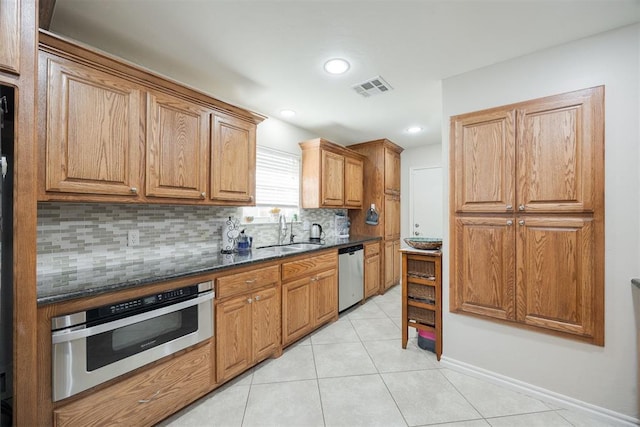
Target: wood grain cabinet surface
{"points": [[93, 134], [111, 127], [527, 227], [10, 36], [146, 398], [332, 176], [248, 320], [309, 294], [372, 269], [177, 147], [233, 160], [382, 175]]}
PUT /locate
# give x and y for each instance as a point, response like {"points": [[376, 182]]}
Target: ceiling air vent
{"points": [[371, 87]]}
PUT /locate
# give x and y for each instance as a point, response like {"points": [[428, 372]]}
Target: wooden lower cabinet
{"points": [[247, 330], [309, 295], [145, 398], [392, 263], [371, 269], [533, 270]]}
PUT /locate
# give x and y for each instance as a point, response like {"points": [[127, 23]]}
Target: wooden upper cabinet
{"points": [[538, 156], [483, 149], [93, 132], [353, 182], [10, 35], [485, 280], [556, 281], [391, 171], [233, 160], [332, 179], [177, 147], [560, 153], [332, 176]]}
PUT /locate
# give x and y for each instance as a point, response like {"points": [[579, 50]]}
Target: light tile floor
{"points": [[354, 372]]}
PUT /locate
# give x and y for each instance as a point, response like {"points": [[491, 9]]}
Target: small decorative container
{"points": [[427, 243]]}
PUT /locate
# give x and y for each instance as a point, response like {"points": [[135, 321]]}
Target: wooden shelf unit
{"points": [[422, 294]]}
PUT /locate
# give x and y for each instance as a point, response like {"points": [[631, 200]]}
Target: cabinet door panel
{"points": [[353, 182], [371, 275], [391, 171], [484, 260], [93, 131], [233, 160], [557, 142], [266, 322], [233, 329], [556, 274], [325, 296], [177, 145], [10, 35], [296, 309], [332, 179], [484, 162], [391, 217]]}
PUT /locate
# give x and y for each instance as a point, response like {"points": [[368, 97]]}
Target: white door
{"points": [[425, 203]]}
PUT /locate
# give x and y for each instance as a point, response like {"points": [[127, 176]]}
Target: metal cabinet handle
{"points": [[250, 281], [133, 190], [521, 222], [521, 207], [510, 222], [202, 195], [149, 399], [257, 297], [509, 207], [249, 300]]}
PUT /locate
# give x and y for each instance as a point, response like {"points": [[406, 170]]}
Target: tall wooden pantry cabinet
{"points": [[527, 214], [382, 178]]}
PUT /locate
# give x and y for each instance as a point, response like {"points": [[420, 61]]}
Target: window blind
{"points": [[277, 178]]}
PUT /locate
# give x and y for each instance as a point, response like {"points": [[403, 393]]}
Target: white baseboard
{"points": [[541, 393]]}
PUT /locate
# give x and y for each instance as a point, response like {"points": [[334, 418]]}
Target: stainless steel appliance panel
{"points": [[350, 276]]}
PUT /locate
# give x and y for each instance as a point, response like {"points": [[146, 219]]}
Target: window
{"points": [[277, 186]]}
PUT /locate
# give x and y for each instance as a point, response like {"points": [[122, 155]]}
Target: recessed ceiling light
{"points": [[336, 66], [414, 129], [287, 113]]}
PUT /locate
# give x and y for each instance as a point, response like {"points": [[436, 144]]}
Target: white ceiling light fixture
{"points": [[414, 129], [336, 66], [287, 113]]}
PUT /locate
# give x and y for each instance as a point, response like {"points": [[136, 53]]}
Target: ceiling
{"points": [[267, 55]]}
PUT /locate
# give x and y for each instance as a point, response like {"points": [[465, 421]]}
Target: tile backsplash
{"points": [[76, 241]]}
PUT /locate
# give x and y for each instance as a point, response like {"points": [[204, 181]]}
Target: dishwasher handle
{"points": [[350, 249]]}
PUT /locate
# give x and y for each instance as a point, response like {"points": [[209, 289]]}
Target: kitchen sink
{"points": [[288, 248]]}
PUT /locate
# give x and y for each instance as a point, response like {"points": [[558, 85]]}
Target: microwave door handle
{"points": [[67, 335]]}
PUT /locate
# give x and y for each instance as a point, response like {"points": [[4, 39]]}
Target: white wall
{"points": [[274, 133], [603, 376], [422, 156]]}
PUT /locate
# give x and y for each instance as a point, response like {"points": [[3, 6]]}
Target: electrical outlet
{"points": [[133, 238]]}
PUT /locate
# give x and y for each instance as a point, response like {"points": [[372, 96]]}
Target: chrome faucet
{"points": [[282, 229], [291, 234]]}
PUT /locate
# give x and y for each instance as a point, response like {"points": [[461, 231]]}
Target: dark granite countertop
{"points": [[158, 270]]}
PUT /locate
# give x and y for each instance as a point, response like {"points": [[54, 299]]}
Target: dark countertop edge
{"points": [[84, 293]]}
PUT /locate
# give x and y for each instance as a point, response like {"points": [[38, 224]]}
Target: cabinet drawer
{"points": [[145, 398], [293, 269], [371, 249], [239, 283]]}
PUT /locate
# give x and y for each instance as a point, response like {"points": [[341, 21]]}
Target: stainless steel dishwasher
{"points": [[350, 276]]}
